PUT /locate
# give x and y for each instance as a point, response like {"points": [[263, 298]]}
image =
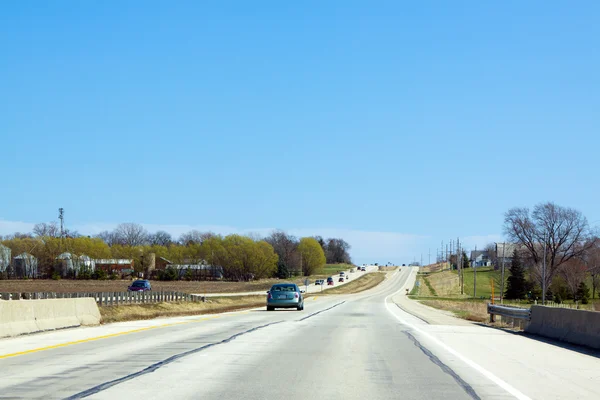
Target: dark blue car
{"points": [[141, 285]]}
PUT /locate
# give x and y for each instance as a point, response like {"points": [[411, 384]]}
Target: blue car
{"points": [[285, 295], [141, 285]]}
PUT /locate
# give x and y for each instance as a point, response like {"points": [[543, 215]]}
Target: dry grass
{"points": [[469, 310], [361, 284], [196, 287], [149, 311]]}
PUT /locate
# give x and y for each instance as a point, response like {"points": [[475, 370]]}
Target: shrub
{"points": [[55, 276]]}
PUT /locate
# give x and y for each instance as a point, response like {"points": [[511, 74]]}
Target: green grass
{"points": [[334, 269], [485, 276], [431, 289]]}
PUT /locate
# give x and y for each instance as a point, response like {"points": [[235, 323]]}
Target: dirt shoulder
{"points": [[212, 305]]}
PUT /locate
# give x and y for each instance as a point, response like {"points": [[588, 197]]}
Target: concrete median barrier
{"points": [[29, 316], [573, 326]]}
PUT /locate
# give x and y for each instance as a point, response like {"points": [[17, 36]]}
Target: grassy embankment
{"points": [[441, 290], [364, 282]]}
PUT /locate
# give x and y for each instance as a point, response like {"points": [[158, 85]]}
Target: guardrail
{"points": [[109, 298], [510, 315]]}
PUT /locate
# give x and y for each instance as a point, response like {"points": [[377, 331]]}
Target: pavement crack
{"points": [[466, 387], [319, 312], [411, 313], [155, 366]]}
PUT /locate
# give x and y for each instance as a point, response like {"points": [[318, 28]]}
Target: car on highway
{"points": [[330, 281], [342, 273], [363, 268], [141, 285], [341, 279], [320, 282], [285, 295]]}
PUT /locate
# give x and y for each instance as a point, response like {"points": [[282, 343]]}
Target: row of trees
{"points": [[239, 257], [555, 248]]}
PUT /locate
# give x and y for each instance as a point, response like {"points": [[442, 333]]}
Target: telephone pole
{"points": [[474, 274], [61, 216]]}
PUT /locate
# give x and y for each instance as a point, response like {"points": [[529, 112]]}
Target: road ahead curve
{"points": [[358, 346]]}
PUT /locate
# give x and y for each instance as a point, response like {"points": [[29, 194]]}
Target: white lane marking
{"points": [[504, 385]]}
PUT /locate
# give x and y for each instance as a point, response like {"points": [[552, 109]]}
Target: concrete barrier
{"points": [[29, 316], [573, 326]]}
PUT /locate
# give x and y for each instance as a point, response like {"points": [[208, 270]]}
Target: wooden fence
{"points": [[109, 298]]}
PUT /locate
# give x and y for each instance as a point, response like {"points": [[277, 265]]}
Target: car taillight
{"points": [[296, 295], [270, 296]]}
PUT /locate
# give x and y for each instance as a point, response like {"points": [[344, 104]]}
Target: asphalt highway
{"points": [[361, 346]]}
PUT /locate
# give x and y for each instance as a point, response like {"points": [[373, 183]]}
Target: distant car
{"points": [[363, 269], [141, 285], [342, 273], [285, 295], [330, 281], [341, 279], [319, 282]]}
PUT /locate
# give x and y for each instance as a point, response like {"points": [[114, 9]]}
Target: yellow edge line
{"points": [[56, 346], [314, 298]]}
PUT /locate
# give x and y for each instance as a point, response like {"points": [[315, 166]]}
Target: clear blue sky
{"points": [[395, 125]]}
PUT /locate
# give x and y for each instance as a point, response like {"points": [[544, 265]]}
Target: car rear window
{"points": [[288, 288], [139, 284]]}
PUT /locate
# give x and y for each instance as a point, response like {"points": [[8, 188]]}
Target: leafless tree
{"points": [[160, 238], [286, 247], [591, 258], [194, 236], [573, 272], [564, 231], [131, 234], [337, 251], [108, 237], [46, 230]]}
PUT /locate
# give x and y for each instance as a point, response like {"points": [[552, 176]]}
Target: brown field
{"points": [[196, 287], [150, 311]]}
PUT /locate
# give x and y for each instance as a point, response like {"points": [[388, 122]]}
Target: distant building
{"points": [[118, 265], [162, 263], [480, 258], [69, 264], [4, 258], [504, 252], [25, 265]]}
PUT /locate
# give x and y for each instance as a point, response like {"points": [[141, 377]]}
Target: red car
{"points": [[330, 281], [341, 279]]}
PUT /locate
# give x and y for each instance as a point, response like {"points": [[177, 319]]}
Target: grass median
{"points": [[212, 305], [365, 282]]}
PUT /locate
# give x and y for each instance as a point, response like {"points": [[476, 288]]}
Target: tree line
{"points": [[238, 257], [555, 247]]}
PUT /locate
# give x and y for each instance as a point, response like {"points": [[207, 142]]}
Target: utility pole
{"points": [[459, 265], [544, 274], [474, 275], [61, 216], [502, 283]]}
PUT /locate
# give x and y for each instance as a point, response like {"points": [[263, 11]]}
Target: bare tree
{"points": [[108, 237], [160, 238], [195, 236], [592, 261], [131, 234], [337, 251], [573, 272], [46, 230], [286, 247], [564, 231]]}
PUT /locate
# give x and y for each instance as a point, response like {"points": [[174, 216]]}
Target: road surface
{"points": [[361, 346]]}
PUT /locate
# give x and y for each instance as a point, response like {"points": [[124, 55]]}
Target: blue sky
{"points": [[393, 125]]}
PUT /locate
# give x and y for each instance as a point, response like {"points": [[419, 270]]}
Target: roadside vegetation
{"points": [[212, 305], [360, 284]]}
